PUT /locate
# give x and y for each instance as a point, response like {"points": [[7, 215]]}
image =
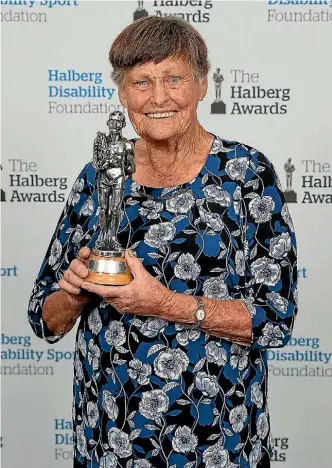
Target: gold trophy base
{"points": [[108, 268]]}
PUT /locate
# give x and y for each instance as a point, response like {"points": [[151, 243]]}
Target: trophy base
{"points": [[109, 268], [290, 196], [218, 107], [140, 14]]}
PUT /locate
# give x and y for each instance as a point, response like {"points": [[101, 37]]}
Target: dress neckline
{"points": [[138, 190]]}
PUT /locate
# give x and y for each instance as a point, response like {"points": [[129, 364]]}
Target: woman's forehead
{"points": [[164, 67]]}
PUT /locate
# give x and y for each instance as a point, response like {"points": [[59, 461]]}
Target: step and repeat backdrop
{"points": [[269, 87]]}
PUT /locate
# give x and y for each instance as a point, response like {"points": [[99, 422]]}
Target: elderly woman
{"points": [[171, 370]]}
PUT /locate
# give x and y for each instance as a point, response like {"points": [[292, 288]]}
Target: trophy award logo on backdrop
{"points": [[218, 106], [140, 12], [290, 195], [3, 194], [113, 160]]}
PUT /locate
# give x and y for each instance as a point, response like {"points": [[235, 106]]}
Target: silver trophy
{"points": [[113, 160]]}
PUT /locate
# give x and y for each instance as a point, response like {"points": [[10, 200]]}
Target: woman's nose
{"points": [[160, 94]]}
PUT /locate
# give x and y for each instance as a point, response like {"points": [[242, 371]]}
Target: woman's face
{"points": [[162, 98]]}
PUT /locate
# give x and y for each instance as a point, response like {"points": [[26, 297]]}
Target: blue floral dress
{"points": [[152, 393]]}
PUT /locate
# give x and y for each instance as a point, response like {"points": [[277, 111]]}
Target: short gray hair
{"points": [[153, 39]]}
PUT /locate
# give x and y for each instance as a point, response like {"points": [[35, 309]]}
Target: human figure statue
{"points": [[113, 160], [289, 168], [218, 79]]}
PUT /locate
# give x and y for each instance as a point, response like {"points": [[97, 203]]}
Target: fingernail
{"points": [[130, 253]]}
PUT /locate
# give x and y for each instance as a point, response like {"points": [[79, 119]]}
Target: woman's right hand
{"points": [[75, 275], [61, 309]]}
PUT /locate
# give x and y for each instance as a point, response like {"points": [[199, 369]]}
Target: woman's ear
{"points": [[122, 96], [203, 85]]}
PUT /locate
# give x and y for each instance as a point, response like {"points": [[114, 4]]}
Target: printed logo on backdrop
{"points": [[3, 193], [302, 273], [302, 357], [290, 195], [280, 446], [247, 94], [218, 106], [299, 11], [141, 11], [63, 439], [193, 11], [31, 11], [26, 185], [80, 92], [316, 182], [8, 271], [20, 357]]}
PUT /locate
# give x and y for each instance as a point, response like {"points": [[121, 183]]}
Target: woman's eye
{"points": [[175, 79], [141, 82]]}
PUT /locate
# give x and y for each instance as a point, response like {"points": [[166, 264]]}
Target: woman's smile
{"points": [[161, 115]]}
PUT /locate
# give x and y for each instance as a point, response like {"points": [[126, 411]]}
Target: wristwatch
{"points": [[200, 311]]}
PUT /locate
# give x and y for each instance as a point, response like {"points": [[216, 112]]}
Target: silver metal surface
{"points": [[109, 253], [113, 160], [107, 266]]}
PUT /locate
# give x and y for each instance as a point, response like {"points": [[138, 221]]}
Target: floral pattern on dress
{"points": [[149, 392]]}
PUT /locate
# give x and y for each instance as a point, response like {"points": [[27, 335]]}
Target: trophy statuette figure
{"points": [[218, 106], [290, 194], [113, 160]]}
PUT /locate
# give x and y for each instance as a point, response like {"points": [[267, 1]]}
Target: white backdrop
{"points": [[46, 140]]}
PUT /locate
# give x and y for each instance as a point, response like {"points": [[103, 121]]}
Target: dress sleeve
{"points": [[70, 235], [270, 255]]}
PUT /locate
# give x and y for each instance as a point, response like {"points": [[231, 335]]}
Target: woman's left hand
{"points": [[144, 295]]}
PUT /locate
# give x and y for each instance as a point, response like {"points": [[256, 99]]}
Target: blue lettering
{"points": [[53, 3], [63, 439], [53, 75], [53, 91], [59, 438], [298, 2], [57, 356], [14, 2], [308, 342], [302, 273], [20, 340], [63, 424], [282, 356], [110, 92], [12, 271], [98, 78], [73, 75]]}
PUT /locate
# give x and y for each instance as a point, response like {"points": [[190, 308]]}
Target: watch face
{"points": [[200, 314]]}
